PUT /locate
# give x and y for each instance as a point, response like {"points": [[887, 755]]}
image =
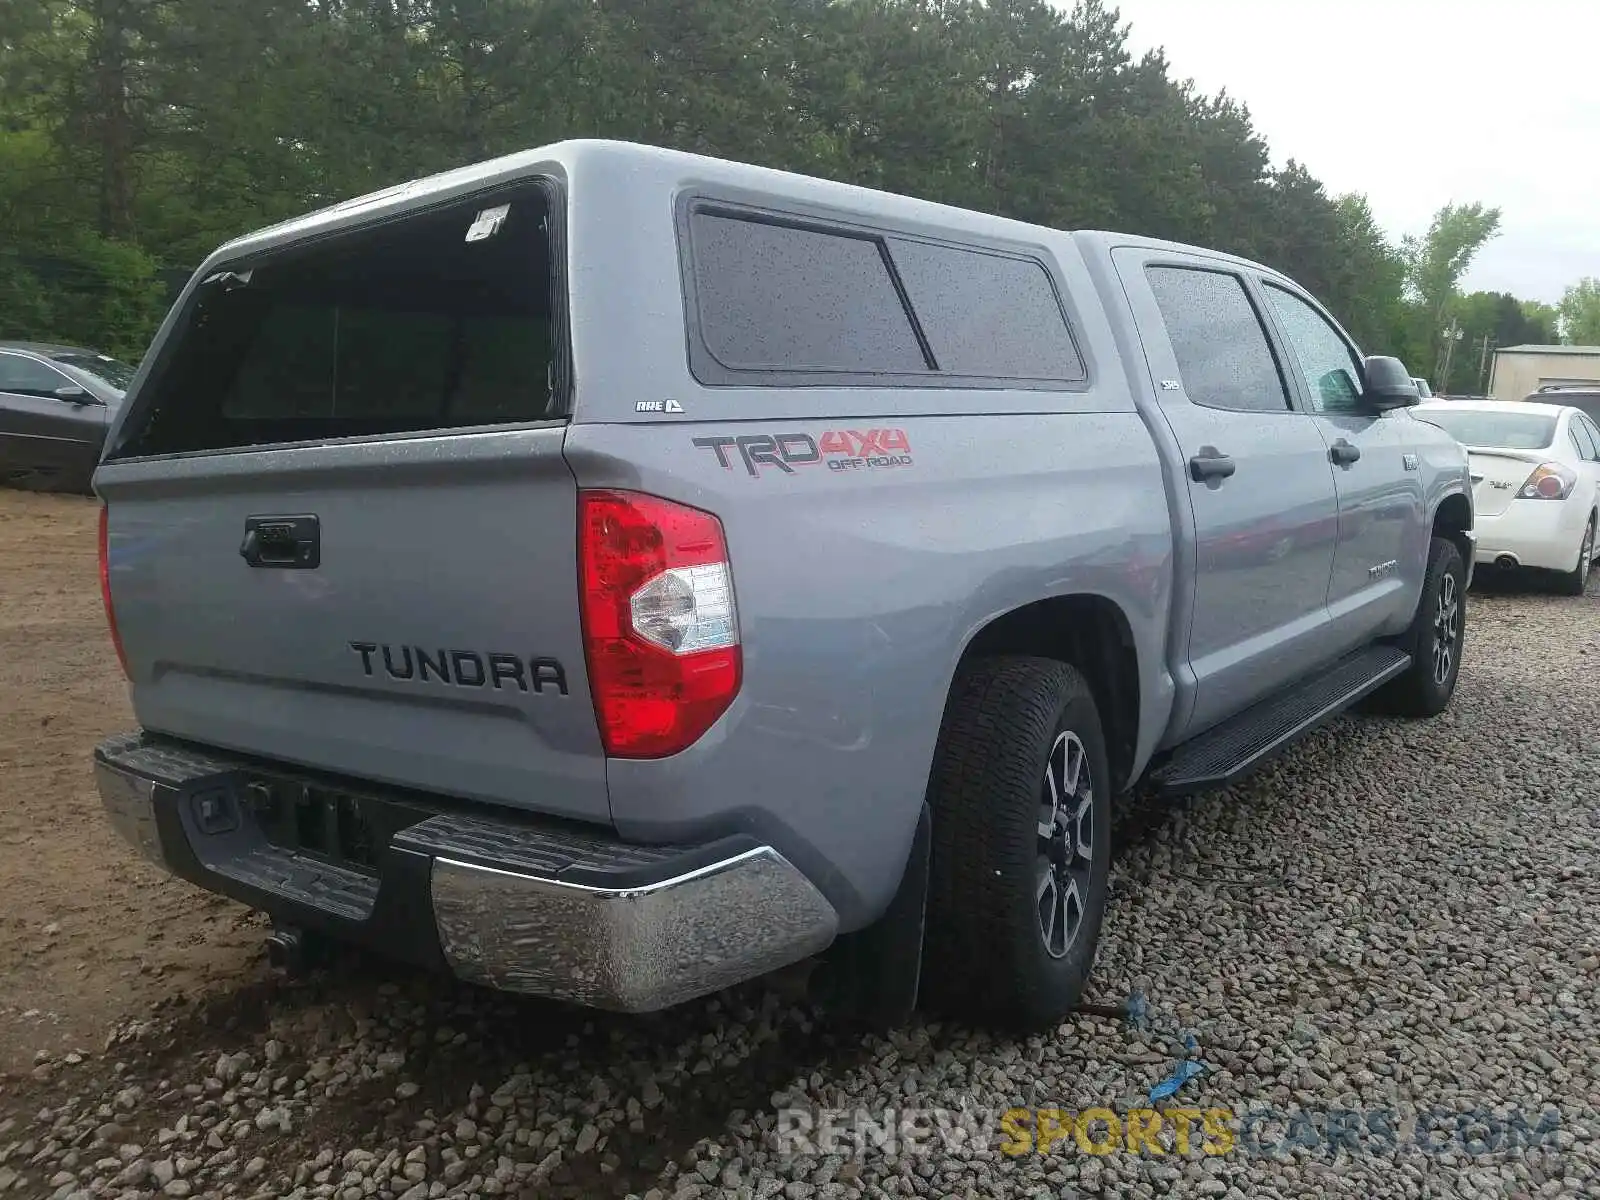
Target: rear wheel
{"points": [[1020, 796], [1434, 640], [1573, 582]]}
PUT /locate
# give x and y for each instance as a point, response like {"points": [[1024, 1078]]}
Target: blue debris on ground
{"points": [[1188, 1067]]}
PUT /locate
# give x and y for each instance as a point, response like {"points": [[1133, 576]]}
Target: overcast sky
{"points": [[1418, 103]]}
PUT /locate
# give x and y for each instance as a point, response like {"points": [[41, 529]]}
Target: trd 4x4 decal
{"points": [[840, 449]]}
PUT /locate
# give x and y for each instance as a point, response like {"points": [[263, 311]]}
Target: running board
{"points": [[1240, 744]]}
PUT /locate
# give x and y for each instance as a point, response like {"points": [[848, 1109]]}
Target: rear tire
{"points": [[1573, 582], [1013, 916], [1434, 641]]}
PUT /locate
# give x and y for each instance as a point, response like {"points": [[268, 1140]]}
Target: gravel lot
{"points": [[1396, 920]]}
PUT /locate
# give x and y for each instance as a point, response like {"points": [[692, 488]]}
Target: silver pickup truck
{"points": [[613, 574]]}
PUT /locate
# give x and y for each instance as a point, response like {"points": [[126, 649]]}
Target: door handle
{"points": [[284, 543], [1343, 453], [1210, 464]]}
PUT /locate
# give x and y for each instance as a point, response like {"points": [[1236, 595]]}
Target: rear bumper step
{"points": [[541, 908]]}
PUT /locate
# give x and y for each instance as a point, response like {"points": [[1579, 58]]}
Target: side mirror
{"points": [[73, 394], [1388, 384]]}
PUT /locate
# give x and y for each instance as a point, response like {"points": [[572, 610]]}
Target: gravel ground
{"points": [[1396, 921]]}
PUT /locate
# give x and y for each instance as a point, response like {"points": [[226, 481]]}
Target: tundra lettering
{"points": [[464, 668]]}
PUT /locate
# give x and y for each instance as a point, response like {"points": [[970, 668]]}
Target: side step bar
{"points": [[1240, 744]]}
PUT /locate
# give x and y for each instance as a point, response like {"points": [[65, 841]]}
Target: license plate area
{"points": [[350, 829]]}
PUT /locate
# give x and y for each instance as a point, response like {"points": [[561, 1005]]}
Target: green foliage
{"points": [[136, 135], [1580, 313], [1436, 262], [90, 291]]}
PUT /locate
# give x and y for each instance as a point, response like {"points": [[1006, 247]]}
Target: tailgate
{"points": [[435, 645], [341, 531]]}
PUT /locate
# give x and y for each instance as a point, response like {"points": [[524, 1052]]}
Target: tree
{"points": [[136, 135], [1366, 280], [1436, 262], [1541, 323], [1580, 313]]}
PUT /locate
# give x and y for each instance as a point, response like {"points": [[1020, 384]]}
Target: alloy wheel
{"points": [[1065, 844], [1446, 629]]}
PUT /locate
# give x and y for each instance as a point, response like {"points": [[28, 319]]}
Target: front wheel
{"points": [[1573, 582], [1020, 797], [1435, 639]]}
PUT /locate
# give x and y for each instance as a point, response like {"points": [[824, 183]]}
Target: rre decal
{"points": [[660, 406], [462, 668], [841, 450]]}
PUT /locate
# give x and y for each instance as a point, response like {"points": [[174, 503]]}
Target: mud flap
{"points": [[870, 977]]}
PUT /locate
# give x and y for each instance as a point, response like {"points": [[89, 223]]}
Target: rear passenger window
{"points": [[1592, 434], [1582, 441], [778, 298], [1222, 350], [987, 314], [807, 302]]}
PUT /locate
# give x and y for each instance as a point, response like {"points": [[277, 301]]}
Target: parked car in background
{"points": [[1587, 400], [56, 403], [1423, 390], [1536, 482]]}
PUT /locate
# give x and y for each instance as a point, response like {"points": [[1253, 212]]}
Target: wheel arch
{"points": [[1092, 633], [1453, 519]]}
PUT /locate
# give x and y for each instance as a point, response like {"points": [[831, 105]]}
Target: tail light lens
{"points": [[661, 632], [105, 589], [1549, 481]]}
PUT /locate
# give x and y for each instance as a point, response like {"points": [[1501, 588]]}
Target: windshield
{"points": [[103, 367], [1510, 430]]}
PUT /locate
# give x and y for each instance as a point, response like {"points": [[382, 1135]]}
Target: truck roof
{"points": [[670, 171]]}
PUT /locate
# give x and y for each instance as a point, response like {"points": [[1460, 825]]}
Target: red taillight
{"points": [[105, 590], [1549, 481], [661, 633]]}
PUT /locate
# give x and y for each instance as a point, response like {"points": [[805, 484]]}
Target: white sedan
{"points": [[1535, 481]]}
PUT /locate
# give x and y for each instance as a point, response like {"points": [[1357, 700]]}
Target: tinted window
{"points": [[1331, 371], [777, 298], [103, 367], [987, 314], [1593, 431], [30, 378], [1576, 440], [402, 328], [1222, 350], [1505, 431], [1583, 434]]}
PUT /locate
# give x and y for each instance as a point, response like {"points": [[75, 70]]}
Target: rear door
{"points": [[44, 438], [342, 530], [1260, 488], [1383, 517]]}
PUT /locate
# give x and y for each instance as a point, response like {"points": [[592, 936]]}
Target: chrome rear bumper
{"points": [[536, 908], [633, 949]]}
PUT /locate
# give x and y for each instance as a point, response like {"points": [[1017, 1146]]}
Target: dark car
{"points": [[1586, 399], [56, 403]]}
